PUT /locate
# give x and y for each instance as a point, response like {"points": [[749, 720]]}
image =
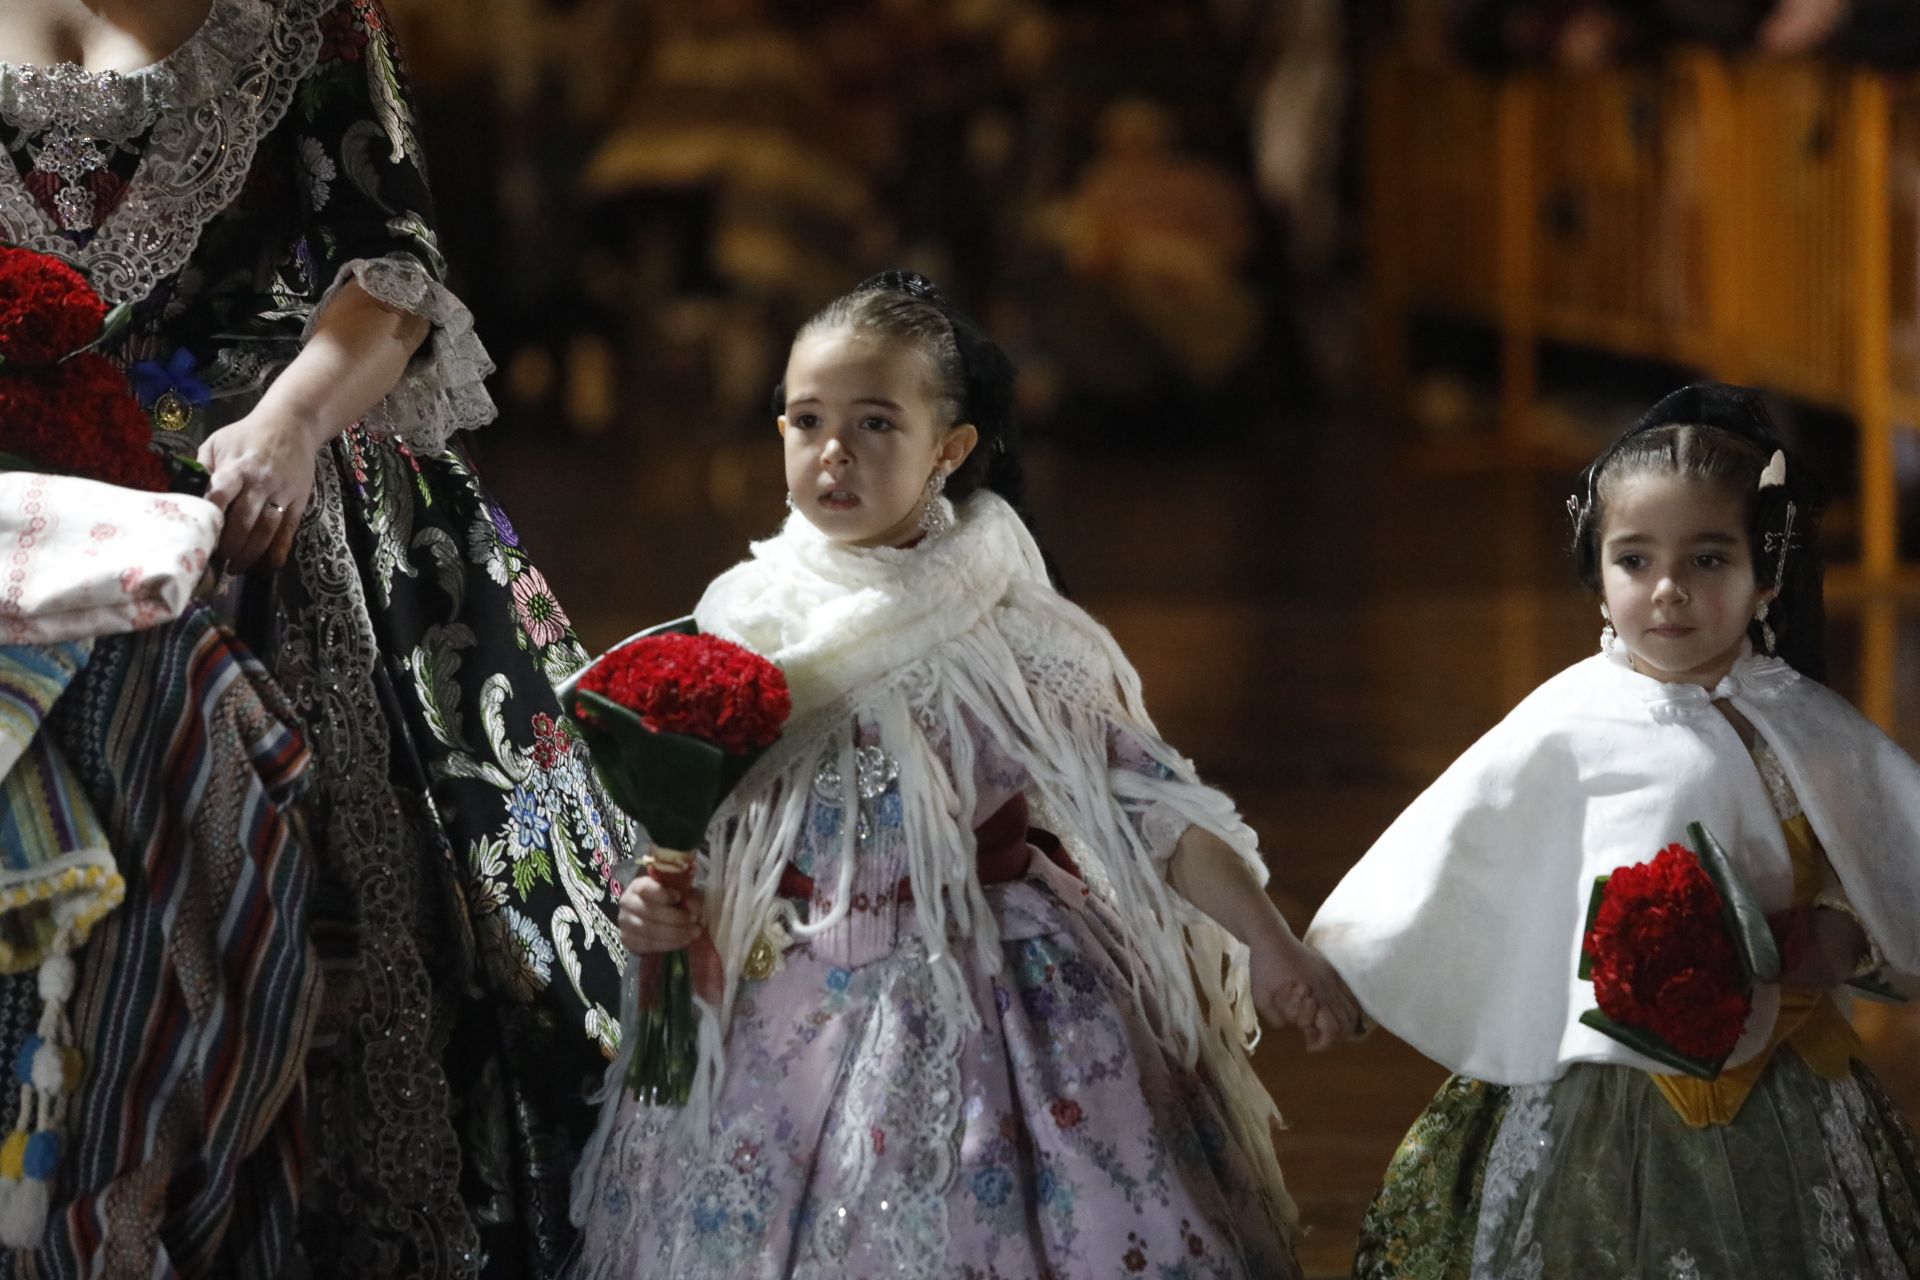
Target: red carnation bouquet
{"points": [[64, 407], [1673, 948], [673, 720]]}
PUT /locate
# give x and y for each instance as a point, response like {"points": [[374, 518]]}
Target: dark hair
{"points": [[972, 377], [1721, 435]]}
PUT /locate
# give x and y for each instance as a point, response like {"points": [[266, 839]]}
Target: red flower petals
{"points": [[47, 309], [700, 686], [1663, 960], [79, 417], [70, 413]]}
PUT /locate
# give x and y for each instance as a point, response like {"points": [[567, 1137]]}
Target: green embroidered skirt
{"points": [[1595, 1177]]}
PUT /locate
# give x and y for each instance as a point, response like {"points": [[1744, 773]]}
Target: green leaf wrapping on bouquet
{"points": [[1647, 1044], [1872, 987], [668, 783], [110, 328], [1593, 913], [1752, 935]]}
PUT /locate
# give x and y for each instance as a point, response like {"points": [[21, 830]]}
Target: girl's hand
{"points": [[654, 918], [1294, 985], [262, 469], [1819, 947]]}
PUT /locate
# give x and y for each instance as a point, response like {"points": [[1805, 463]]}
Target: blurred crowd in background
{"points": [[1152, 204]]}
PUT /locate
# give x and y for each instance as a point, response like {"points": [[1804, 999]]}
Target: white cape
{"points": [[1460, 930]]}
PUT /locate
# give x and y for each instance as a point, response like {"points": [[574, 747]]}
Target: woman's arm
{"points": [[1292, 983], [262, 465]]}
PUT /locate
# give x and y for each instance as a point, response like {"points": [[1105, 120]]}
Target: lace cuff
{"points": [[444, 387]]}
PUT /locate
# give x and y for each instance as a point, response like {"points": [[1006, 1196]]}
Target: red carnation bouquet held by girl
{"points": [[64, 407], [674, 720], [1673, 948]]}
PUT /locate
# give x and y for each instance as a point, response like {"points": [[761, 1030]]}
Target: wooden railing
{"points": [[1756, 221]]}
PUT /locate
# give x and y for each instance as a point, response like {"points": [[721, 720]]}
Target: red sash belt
{"points": [[1005, 842]]}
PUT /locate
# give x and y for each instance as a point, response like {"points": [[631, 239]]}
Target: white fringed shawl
{"points": [[932, 648]]}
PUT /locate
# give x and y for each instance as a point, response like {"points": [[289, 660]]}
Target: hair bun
{"points": [[911, 283]]}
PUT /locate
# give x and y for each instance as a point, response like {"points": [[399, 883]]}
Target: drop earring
{"points": [[1766, 630], [936, 514], [1607, 634]]}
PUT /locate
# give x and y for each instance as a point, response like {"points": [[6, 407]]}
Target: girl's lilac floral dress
{"points": [[862, 1132]]}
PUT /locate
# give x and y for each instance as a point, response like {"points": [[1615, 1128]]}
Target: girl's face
{"points": [[863, 436], [1677, 573]]}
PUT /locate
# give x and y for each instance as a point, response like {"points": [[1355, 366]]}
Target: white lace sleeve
{"points": [[444, 387], [1065, 663]]}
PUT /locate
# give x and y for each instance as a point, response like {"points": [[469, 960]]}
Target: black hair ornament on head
{"points": [[989, 374], [1734, 409], [1731, 408]]}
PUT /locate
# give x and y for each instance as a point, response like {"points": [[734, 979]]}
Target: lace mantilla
{"points": [[204, 109], [444, 388]]}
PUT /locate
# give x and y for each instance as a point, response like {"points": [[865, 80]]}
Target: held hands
{"points": [[262, 468], [1294, 985]]}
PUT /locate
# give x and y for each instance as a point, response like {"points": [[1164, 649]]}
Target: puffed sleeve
{"points": [[369, 219]]}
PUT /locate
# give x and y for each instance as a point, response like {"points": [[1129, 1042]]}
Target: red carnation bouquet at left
{"points": [[1673, 948], [673, 720], [63, 406]]}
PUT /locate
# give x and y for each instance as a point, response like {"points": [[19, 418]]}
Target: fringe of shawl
{"points": [[1042, 679]]}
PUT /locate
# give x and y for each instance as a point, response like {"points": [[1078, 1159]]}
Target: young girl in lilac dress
{"points": [[949, 1043]]}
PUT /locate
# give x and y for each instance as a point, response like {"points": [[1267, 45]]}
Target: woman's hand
{"points": [[262, 469], [263, 464], [654, 918], [1294, 985]]}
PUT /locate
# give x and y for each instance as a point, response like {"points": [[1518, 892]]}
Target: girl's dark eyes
{"points": [[808, 421], [1705, 560]]}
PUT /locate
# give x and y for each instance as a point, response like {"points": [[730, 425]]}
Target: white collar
{"points": [[1753, 675]]}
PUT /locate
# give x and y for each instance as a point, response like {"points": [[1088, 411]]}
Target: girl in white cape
{"points": [[1556, 1151], [949, 1045]]}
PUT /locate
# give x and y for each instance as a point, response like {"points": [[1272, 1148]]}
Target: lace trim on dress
{"points": [[114, 103], [1851, 1210], [387, 1154], [1519, 1150], [1786, 805], [444, 388], [209, 104], [905, 1082]]}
